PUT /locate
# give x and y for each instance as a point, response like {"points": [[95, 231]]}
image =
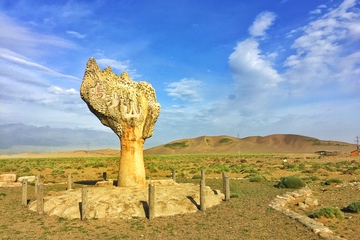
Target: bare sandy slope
{"points": [[277, 143]]}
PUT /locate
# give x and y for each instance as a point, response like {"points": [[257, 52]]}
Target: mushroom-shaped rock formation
{"points": [[129, 108]]}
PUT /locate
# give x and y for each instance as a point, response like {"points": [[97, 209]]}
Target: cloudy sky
{"points": [[238, 68]]}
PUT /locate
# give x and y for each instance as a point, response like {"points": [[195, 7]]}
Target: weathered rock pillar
{"points": [[129, 108]]}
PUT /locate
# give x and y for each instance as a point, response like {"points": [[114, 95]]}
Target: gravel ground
{"points": [[246, 217]]}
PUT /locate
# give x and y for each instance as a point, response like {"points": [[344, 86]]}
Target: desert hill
{"points": [[276, 143]]}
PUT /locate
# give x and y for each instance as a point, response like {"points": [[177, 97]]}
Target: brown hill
{"points": [[277, 143]]}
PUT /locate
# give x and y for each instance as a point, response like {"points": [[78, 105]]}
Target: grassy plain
{"points": [[246, 216]]}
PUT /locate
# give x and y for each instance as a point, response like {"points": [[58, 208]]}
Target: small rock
{"points": [[29, 178], [10, 184], [311, 201], [8, 177], [302, 205], [104, 183]]}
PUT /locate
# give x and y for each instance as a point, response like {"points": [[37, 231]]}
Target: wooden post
{"points": [[104, 176], [69, 181], [37, 180], [151, 201], [174, 175], [203, 176], [202, 195], [24, 191], [40, 198], [84, 202], [223, 180], [227, 189]]}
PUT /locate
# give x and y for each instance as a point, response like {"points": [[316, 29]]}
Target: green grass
{"points": [[329, 212], [354, 207], [291, 182], [333, 180], [225, 140], [177, 145]]}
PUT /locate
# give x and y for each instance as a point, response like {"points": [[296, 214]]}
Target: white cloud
{"points": [[20, 60], [319, 82], [322, 56], [316, 11], [76, 34], [122, 66], [262, 22], [255, 79], [186, 90], [60, 91], [25, 40]]}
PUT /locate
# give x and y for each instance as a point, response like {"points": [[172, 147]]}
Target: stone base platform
{"points": [[119, 202]]}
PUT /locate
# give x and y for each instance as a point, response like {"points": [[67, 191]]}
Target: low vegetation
{"points": [[354, 207], [291, 182], [225, 140], [328, 212], [333, 181], [177, 145]]}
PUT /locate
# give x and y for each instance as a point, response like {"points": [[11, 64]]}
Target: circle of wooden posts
{"points": [[39, 193]]}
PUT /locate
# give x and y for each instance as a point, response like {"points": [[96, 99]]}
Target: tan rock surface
{"points": [[126, 202], [8, 177]]}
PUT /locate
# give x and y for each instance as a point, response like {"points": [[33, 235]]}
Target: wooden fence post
{"points": [[37, 180], [202, 195], [69, 181], [104, 176], [223, 180], [174, 175], [226, 186], [227, 189], [24, 191], [203, 176], [84, 202], [151, 201], [40, 198]]}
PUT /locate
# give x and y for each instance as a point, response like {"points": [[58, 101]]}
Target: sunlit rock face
{"points": [[129, 108]]}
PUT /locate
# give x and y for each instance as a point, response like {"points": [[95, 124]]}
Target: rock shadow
{"points": [[80, 208], [194, 202], [92, 182], [146, 208], [87, 182]]}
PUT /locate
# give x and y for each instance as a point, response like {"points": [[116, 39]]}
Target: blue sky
{"points": [[238, 68]]}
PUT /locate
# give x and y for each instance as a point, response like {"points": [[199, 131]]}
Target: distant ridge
{"points": [[276, 143]]}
